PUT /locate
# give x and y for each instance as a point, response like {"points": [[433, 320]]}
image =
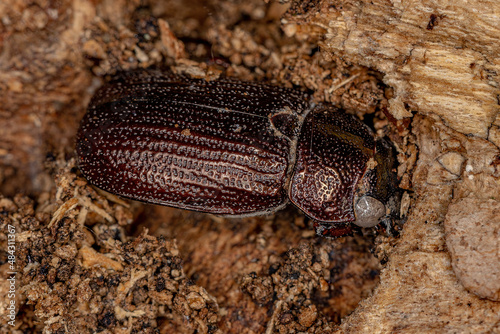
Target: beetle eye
{"points": [[368, 211]]}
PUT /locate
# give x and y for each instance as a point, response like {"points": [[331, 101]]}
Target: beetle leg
{"points": [[332, 230]]}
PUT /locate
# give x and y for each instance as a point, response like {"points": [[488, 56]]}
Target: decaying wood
{"points": [[441, 60], [440, 57]]}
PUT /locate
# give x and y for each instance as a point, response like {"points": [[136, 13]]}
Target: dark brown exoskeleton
{"points": [[234, 148]]}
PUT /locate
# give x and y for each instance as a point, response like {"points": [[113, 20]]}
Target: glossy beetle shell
{"points": [[224, 147]]}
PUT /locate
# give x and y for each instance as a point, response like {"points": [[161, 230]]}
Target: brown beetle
{"points": [[234, 148]]}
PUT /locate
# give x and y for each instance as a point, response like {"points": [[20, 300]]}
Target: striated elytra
{"points": [[234, 148]]}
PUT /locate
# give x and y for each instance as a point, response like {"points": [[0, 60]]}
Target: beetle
{"points": [[234, 148]]}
